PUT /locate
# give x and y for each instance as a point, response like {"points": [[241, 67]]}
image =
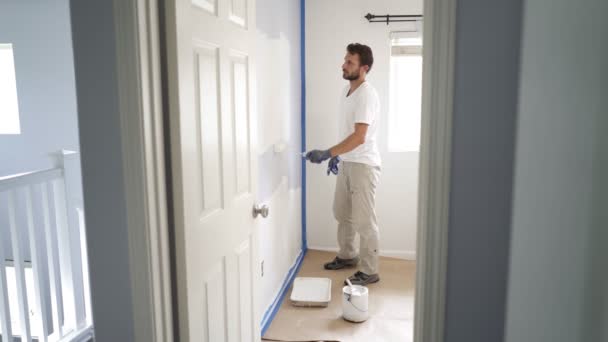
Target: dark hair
{"points": [[365, 54]]}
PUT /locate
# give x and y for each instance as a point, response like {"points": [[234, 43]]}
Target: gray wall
{"points": [[597, 309], [102, 171], [597, 277], [40, 33], [596, 287], [560, 175], [487, 50]]}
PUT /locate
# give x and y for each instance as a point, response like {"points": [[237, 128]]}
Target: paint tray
{"points": [[311, 292]]}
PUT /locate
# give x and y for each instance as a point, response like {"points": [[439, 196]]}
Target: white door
{"points": [[211, 94]]}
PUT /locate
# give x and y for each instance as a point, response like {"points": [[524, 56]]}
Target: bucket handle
{"points": [[348, 297]]}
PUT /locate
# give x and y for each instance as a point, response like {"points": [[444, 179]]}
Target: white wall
{"points": [[557, 220], [278, 79], [330, 27], [44, 68]]}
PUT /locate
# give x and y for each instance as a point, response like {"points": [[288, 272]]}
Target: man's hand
{"points": [[332, 166], [318, 156]]}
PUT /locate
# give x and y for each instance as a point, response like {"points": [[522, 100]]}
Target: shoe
{"points": [[338, 263], [363, 279]]}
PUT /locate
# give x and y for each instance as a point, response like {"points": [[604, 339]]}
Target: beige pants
{"points": [[355, 210]]}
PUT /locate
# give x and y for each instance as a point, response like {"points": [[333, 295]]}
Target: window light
{"points": [[9, 107], [405, 94]]}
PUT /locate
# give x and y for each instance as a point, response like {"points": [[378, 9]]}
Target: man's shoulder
{"points": [[369, 89], [368, 85]]}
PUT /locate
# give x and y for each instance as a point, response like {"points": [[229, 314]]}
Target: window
{"points": [[405, 94], [9, 107]]}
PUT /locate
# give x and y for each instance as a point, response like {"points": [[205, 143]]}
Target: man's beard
{"points": [[350, 77]]}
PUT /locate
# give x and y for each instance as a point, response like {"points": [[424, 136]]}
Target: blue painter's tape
{"points": [[276, 304]]}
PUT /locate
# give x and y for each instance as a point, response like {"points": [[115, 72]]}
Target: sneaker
{"points": [[338, 263], [363, 279]]}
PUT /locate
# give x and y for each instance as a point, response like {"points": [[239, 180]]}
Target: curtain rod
{"points": [[391, 18]]}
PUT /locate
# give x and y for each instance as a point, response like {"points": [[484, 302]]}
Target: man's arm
{"points": [[352, 141]]}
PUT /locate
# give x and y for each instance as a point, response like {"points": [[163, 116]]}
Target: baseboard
{"points": [[276, 304], [405, 255]]}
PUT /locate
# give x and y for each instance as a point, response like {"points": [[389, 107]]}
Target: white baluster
{"points": [[65, 260], [19, 271], [85, 266], [52, 258], [5, 312], [71, 167], [35, 254], [70, 163], [66, 253]]}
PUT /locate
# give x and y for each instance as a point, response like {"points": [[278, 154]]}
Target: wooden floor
{"points": [[391, 306]]}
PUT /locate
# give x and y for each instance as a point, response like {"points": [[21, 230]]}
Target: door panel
{"points": [[240, 99], [209, 128], [209, 51], [216, 303], [238, 12], [245, 284], [208, 5]]}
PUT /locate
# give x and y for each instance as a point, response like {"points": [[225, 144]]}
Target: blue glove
{"points": [[332, 166], [318, 156]]}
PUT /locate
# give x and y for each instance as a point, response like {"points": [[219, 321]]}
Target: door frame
{"points": [[143, 135], [439, 35], [138, 51]]}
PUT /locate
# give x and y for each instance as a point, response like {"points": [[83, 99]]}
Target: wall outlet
{"points": [[262, 267]]}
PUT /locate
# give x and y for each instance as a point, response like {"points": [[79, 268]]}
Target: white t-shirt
{"points": [[362, 106]]}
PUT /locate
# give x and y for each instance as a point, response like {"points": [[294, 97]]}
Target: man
{"points": [[354, 201]]}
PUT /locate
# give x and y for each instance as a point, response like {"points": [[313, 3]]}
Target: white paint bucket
{"points": [[355, 304]]}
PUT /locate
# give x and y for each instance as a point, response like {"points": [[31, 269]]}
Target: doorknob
{"points": [[257, 210]]}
